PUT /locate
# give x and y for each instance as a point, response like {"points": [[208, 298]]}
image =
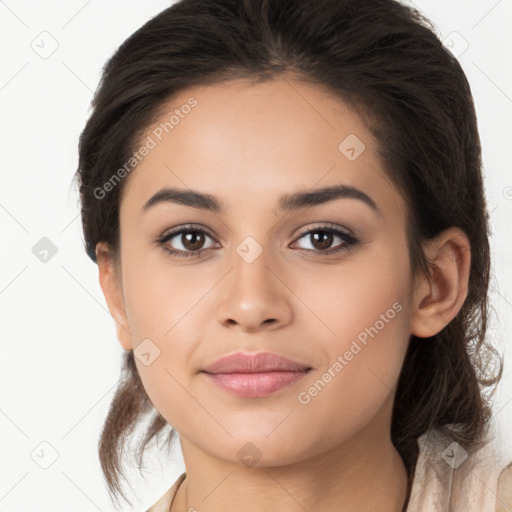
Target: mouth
{"points": [[241, 362], [255, 374], [256, 384]]}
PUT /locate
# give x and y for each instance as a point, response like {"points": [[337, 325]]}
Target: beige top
{"points": [[446, 479], [165, 502]]}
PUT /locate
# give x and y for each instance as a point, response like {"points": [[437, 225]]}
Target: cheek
{"points": [[360, 375], [345, 299], [160, 307], [159, 296], [162, 362], [361, 309]]}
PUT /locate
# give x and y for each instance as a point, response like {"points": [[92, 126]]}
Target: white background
{"points": [[60, 356]]}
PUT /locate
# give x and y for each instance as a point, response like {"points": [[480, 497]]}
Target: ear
{"points": [[437, 302], [110, 282]]}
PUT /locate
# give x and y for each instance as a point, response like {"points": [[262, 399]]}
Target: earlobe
{"points": [[111, 285], [437, 302]]}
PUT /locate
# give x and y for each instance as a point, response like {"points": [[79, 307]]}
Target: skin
{"points": [[248, 145]]}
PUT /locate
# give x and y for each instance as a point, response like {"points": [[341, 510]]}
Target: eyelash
{"points": [[349, 240]]}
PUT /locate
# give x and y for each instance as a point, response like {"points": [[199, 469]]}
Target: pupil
{"points": [[327, 240], [193, 240]]}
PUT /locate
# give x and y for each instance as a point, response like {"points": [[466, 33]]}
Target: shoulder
{"points": [[504, 493], [165, 501], [484, 482]]}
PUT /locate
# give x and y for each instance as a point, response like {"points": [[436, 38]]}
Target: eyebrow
{"points": [[295, 201]]}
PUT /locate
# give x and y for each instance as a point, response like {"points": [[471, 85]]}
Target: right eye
{"points": [[190, 238]]}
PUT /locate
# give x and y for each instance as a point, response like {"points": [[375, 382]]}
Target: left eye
{"points": [[321, 240]]}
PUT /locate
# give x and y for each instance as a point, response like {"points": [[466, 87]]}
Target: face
{"points": [[323, 282]]}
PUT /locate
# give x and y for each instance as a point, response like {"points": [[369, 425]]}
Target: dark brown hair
{"points": [[385, 60]]}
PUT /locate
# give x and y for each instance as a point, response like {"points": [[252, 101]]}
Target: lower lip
{"points": [[255, 384]]}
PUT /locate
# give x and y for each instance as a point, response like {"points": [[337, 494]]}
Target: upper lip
{"points": [[253, 363]]}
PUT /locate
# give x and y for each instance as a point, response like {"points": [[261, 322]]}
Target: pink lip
{"points": [[255, 375]]}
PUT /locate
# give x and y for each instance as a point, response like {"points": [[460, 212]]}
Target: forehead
{"points": [[249, 141]]}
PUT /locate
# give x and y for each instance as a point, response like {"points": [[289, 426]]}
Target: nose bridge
{"points": [[252, 263], [253, 242], [254, 295]]}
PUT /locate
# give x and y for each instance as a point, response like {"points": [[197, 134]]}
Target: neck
{"points": [[363, 473]]}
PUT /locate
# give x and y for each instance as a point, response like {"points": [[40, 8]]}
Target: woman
{"points": [[285, 203]]}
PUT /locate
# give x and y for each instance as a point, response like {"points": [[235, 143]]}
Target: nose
{"points": [[254, 296]]}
